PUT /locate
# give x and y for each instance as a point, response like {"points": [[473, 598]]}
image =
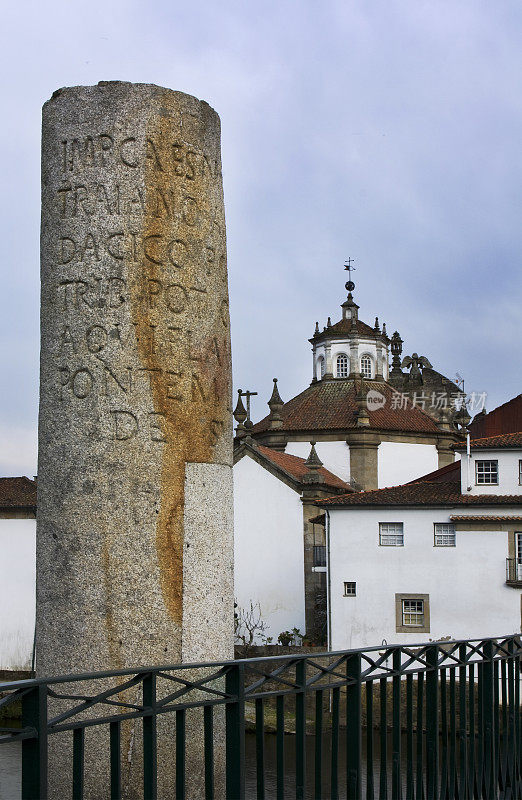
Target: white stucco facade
{"points": [[401, 462], [334, 455], [17, 592], [464, 585], [508, 471], [268, 547]]}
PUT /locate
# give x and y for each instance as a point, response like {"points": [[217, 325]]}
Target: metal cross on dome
{"points": [[349, 285]]}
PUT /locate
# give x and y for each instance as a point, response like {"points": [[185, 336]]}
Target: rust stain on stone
{"points": [[190, 427]]}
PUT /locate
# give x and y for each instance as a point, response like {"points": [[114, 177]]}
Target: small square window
{"points": [[412, 613], [445, 534], [349, 588], [391, 534], [486, 472]]}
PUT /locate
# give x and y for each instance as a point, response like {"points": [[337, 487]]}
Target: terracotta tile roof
{"points": [[344, 327], [484, 518], [415, 494], [327, 405], [503, 440], [296, 467], [451, 472], [17, 493]]}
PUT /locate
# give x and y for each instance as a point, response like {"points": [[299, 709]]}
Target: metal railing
{"points": [[513, 570], [437, 720]]}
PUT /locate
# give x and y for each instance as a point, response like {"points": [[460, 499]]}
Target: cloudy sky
{"points": [[385, 130]]}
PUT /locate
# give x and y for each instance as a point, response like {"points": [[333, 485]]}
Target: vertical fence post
{"points": [[432, 720], [353, 727], [396, 721], [34, 750], [300, 729], [235, 732], [488, 758], [511, 743], [150, 770], [463, 730]]}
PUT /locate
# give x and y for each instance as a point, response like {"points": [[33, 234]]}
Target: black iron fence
{"points": [[436, 720]]}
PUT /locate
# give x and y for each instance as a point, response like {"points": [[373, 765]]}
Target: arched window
{"points": [[366, 367], [320, 367], [341, 370]]}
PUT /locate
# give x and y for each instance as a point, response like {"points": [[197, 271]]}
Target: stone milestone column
{"points": [[134, 529]]}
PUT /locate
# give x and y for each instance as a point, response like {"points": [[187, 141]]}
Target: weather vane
{"points": [[349, 285]]}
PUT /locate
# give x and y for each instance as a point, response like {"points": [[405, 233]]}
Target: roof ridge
{"points": [[506, 403], [267, 452]]}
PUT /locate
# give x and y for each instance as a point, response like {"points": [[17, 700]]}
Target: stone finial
{"points": [[313, 464], [363, 417], [316, 329], [376, 327], [240, 416], [275, 405], [329, 322], [396, 350], [313, 461]]}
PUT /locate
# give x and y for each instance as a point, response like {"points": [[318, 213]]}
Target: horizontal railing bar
{"points": [[11, 698], [98, 698], [147, 712], [21, 733], [137, 671]]}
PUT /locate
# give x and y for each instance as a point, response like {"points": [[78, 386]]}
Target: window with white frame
{"points": [[520, 472], [413, 613], [321, 367], [445, 535], [391, 534], [349, 588], [342, 366], [366, 367], [486, 472]]}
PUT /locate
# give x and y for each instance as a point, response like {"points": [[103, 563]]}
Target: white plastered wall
{"points": [[369, 347], [334, 455], [401, 462], [508, 472], [268, 547], [17, 592], [468, 596]]}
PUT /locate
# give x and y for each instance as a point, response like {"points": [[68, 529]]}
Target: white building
{"points": [[440, 557], [17, 572], [367, 432], [278, 564]]}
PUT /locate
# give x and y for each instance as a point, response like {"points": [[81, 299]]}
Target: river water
{"points": [[11, 763]]}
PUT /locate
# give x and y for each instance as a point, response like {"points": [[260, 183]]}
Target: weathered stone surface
{"points": [[135, 387]]}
